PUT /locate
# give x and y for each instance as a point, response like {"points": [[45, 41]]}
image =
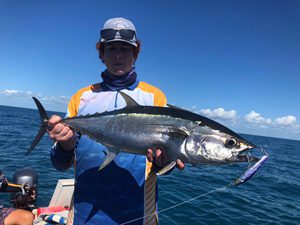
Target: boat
{"points": [[60, 208]]}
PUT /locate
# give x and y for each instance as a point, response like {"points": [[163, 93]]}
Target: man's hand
{"points": [[160, 159], [61, 133]]}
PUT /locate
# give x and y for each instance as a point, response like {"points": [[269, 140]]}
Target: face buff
{"points": [[112, 82]]}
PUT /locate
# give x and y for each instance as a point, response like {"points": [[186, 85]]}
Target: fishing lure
{"points": [[251, 171]]}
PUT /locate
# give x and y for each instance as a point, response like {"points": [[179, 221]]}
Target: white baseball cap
{"points": [[118, 29]]}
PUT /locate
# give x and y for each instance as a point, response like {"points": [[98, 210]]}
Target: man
{"points": [[126, 189]]}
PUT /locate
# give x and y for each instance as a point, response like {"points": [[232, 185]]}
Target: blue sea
{"points": [[272, 196]]}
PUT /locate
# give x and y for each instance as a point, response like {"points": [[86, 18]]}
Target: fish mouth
{"points": [[251, 146], [243, 156], [246, 147], [246, 158]]}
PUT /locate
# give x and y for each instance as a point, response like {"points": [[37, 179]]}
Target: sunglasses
{"points": [[125, 34]]}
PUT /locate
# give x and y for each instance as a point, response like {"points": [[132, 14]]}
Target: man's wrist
{"points": [[65, 147]]}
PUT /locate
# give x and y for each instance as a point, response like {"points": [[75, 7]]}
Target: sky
{"points": [[237, 62]]}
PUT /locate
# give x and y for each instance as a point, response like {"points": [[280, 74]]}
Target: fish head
{"points": [[216, 147]]}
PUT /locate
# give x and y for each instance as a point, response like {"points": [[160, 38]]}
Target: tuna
{"points": [[182, 134]]}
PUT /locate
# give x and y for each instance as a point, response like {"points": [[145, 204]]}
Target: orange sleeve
{"points": [[159, 97], [75, 101]]}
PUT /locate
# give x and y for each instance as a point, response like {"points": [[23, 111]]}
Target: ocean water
{"points": [[272, 196]]}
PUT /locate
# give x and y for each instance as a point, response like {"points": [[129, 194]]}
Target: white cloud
{"points": [[55, 99], [193, 107], [253, 122], [254, 117], [285, 124], [28, 94], [219, 113], [11, 92], [16, 93], [286, 121]]}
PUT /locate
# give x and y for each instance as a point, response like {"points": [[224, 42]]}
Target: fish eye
{"points": [[230, 143]]}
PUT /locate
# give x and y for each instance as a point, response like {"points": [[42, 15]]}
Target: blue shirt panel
{"points": [[113, 195]]}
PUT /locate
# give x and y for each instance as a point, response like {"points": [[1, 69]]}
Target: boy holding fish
{"points": [[125, 189]]}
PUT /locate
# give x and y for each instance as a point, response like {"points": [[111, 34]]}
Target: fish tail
{"points": [[43, 127]]}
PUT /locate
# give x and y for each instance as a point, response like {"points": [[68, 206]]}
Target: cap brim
{"points": [[121, 40]]}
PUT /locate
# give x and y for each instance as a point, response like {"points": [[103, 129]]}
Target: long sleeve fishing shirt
{"points": [[124, 190]]}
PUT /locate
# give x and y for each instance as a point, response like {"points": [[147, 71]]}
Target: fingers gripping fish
{"points": [[183, 135]]}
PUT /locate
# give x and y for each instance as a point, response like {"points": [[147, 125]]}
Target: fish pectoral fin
{"points": [[108, 158], [167, 168], [171, 131], [179, 133]]}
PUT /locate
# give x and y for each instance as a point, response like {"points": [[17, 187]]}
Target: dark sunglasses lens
{"points": [[108, 34], [127, 34]]}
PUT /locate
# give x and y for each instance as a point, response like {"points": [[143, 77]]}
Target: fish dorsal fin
{"points": [[173, 106], [129, 101]]}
